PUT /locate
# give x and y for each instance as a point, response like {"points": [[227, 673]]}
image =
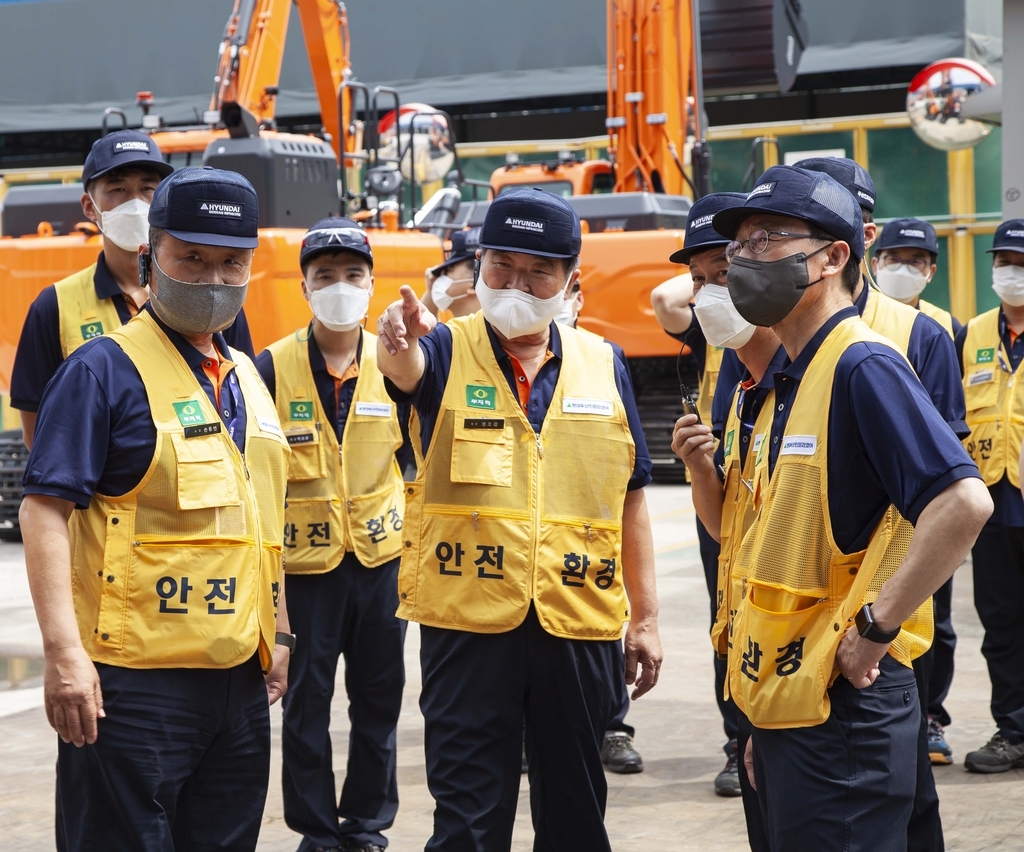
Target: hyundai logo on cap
{"points": [[908, 233], [334, 234], [123, 148], [848, 173], [531, 221], [813, 196], [1009, 236], [207, 206], [700, 232]]}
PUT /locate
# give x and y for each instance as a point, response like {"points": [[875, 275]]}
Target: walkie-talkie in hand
{"points": [[689, 399]]}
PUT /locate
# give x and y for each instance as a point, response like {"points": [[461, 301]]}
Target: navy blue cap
{"points": [[123, 148], [335, 234], [211, 207], [700, 234], [848, 173], [464, 246], [908, 233], [1009, 236], [532, 221], [814, 197]]}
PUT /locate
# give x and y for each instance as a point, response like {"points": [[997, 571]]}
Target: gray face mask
{"points": [[765, 292], [195, 308]]}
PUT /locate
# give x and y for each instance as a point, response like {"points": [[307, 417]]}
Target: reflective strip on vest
{"points": [[500, 516], [185, 569], [347, 498], [82, 315], [995, 402], [802, 592]]}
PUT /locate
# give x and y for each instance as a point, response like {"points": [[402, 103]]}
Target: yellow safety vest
{"points": [[185, 569], [942, 317], [995, 403], [890, 318], [341, 498], [802, 591], [500, 515], [82, 314], [708, 381], [738, 514]]}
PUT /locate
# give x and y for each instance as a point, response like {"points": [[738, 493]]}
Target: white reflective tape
{"points": [[799, 445], [603, 407], [374, 409]]}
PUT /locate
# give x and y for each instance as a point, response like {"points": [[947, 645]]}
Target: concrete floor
{"points": [[670, 806]]}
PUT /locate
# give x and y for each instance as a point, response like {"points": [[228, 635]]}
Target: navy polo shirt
{"points": [[887, 443], [931, 353], [1009, 505], [39, 353], [337, 416], [95, 433], [749, 404], [730, 375], [437, 353]]}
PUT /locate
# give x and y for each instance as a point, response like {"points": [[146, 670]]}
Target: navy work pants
{"points": [[181, 761], [924, 832], [349, 611], [709, 550], [945, 646], [848, 783], [477, 688], [757, 836], [998, 556], [620, 694]]}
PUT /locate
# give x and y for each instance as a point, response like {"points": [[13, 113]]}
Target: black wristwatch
{"points": [[867, 628], [286, 639]]}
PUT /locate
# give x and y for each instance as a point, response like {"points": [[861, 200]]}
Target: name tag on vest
{"points": [[202, 429], [374, 409], [300, 437], [799, 445], [479, 423], [758, 439], [603, 407], [269, 426], [980, 377]]}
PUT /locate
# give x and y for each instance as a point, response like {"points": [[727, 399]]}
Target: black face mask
{"points": [[766, 291]]}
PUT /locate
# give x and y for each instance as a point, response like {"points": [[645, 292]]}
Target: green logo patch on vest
{"points": [[985, 356], [728, 442], [480, 396], [91, 330], [300, 410], [189, 413]]}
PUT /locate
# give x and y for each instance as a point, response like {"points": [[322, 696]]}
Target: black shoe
{"points": [[727, 782], [998, 755], [351, 846], [618, 754]]}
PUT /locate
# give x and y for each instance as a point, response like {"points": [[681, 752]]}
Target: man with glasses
{"points": [[342, 542], [822, 666], [991, 347], [527, 541], [905, 262]]}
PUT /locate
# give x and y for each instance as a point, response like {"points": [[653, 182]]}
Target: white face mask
{"points": [[567, 315], [127, 225], [516, 313], [340, 306], [1008, 282], [904, 283], [719, 320], [439, 291]]}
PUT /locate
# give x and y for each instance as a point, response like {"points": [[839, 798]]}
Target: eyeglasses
{"points": [[758, 241], [892, 262], [336, 238]]}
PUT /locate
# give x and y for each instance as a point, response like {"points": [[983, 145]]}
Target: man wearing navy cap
{"points": [[719, 469], [991, 347], [527, 539], [905, 262], [343, 537], [450, 284], [119, 178], [161, 603], [834, 604]]}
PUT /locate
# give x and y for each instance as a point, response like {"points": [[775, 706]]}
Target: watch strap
{"points": [[867, 628], [286, 639]]}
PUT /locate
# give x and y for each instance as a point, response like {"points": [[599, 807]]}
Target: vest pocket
{"points": [[205, 478], [481, 456], [314, 535], [984, 392], [375, 524], [306, 461]]}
